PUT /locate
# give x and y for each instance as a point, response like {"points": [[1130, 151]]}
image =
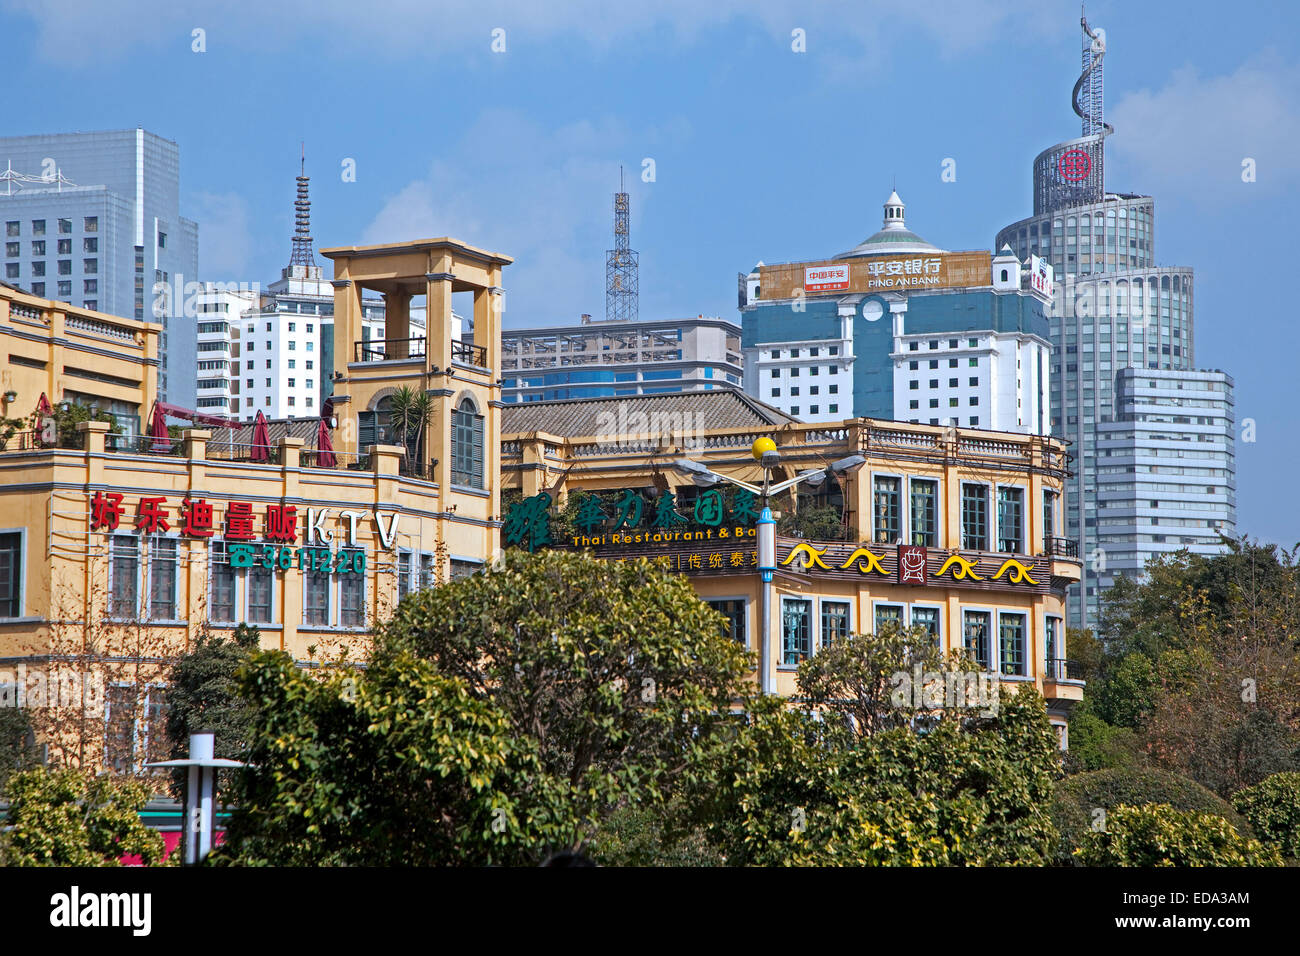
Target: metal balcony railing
{"points": [[469, 354], [1060, 668], [1061, 547], [390, 350]]}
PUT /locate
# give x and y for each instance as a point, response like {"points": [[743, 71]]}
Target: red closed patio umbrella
{"points": [[261, 439], [162, 439], [325, 457], [43, 406]]}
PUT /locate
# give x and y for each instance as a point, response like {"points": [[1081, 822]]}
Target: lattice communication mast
{"points": [[1088, 91], [302, 250], [621, 264]]}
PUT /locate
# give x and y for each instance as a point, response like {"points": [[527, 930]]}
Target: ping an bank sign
{"points": [[881, 273]]}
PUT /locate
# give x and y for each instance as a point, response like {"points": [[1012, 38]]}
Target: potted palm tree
{"points": [[408, 413]]}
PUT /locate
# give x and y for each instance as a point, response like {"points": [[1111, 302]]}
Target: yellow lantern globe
{"points": [[761, 447]]}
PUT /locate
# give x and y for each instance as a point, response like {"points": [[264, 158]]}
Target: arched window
{"points": [[467, 445], [1004, 275]]}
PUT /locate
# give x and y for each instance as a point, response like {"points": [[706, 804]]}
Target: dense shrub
{"points": [[1272, 808], [1159, 835], [1079, 796]]}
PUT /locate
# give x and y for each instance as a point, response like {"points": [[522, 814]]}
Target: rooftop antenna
{"points": [[621, 264], [302, 251]]}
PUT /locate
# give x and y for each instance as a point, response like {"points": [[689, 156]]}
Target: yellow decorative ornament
{"points": [[863, 555], [1019, 572], [811, 556], [965, 569], [761, 447]]}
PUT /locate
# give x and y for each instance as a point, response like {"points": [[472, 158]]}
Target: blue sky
{"points": [[759, 152]]}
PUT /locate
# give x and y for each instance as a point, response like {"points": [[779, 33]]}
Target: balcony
{"points": [[1062, 680], [1061, 547], [1063, 669], [469, 354], [405, 350], [390, 350]]}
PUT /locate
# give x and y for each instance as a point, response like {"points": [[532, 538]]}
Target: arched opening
{"points": [[467, 444]]}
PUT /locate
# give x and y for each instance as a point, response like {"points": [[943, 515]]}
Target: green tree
{"points": [[67, 818], [1159, 835], [857, 679], [392, 766], [1083, 801], [1273, 809], [615, 669], [66, 420], [203, 693], [968, 791], [408, 413], [1097, 745]]}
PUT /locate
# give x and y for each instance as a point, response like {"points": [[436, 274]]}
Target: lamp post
{"points": [[765, 453], [200, 793]]}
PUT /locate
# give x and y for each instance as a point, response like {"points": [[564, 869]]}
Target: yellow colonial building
{"points": [[955, 530], [119, 550]]}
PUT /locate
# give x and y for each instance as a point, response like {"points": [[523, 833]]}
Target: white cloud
{"points": [[74, 31], [542, 196], [1192, 134]]}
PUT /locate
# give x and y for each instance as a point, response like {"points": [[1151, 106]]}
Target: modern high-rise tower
{"points": [[93, 219], [1116, 309]]}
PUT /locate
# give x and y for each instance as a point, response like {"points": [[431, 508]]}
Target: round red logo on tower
{"points": [[1074, 165]]}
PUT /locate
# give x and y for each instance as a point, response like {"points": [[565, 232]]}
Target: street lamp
{"points": [[765, 453]]}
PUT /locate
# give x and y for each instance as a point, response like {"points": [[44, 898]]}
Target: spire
{"points": [[894, 212], [302, 249], [621, 263]]}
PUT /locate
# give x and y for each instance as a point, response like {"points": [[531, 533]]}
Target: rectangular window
{"points": [[258, 603], [11, 574], [12, 228], [221, 605], [975, 517], [88, 224], [925, 512], [1052, 644], [1011, 628], [162, 579], [928, 618], [733, 609], [835, 621], [119, 727], [124, 568], [403, 574], [352, 595], [888, 614], [1049, 514], [1011, 507], [796, 630], [886, 511], [316, 598], [428, 578], [975, 636], [90, 245]]}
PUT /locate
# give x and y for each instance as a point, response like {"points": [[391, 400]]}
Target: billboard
{"points": [[901, 272], [1041, 275], [826, 278]]}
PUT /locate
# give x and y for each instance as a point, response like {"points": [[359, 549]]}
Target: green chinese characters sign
{"points": [[629, 518]]}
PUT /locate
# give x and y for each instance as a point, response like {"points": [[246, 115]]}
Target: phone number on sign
{"points": [[319, 560]]}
